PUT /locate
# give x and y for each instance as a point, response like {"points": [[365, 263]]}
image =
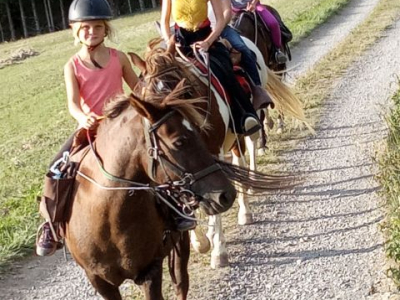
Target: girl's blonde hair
{"points": [[76, 26]]}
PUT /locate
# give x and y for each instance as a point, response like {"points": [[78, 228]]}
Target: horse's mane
{"points": [[169, 82], [173, 100]]}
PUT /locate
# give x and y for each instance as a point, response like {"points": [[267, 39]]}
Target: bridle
{"points": [[178, 190]]}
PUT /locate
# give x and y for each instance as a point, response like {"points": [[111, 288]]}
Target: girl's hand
{"points": [[202, 45], [251, 6], [89, 122]]}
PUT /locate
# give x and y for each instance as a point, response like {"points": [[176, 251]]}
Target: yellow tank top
{"points": [[189, 14]]}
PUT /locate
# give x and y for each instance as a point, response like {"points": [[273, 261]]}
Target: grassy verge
{"points": [[389, 177], [303, 16], [34, 119], [316, 85]]}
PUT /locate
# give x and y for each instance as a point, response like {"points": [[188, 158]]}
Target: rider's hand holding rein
{"points": [[89, 122], [251, 6], [202, 45]]}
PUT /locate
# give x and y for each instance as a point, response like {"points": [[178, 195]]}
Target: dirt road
{"points": [[318, 241]]}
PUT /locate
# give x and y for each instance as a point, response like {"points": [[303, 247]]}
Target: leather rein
{"points": [[179, 191]]}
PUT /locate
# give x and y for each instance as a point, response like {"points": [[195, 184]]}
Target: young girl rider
{"points": [[269, 20], [192, 28], [93, 76], [248, 59]]}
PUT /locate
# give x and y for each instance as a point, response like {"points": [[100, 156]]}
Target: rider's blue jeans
{"points": [[248, 56]]}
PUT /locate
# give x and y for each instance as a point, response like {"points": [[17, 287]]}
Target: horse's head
{"points": [[177, 154], [169, 147]]}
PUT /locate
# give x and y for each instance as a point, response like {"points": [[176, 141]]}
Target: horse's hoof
{"points": [[219, 261], [261, 151], [200, 244], [250, 191], [270, 123], [245, 219]]}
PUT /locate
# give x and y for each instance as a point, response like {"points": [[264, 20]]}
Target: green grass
{"points": [[389, 163], [34, 120], [303, 16]]}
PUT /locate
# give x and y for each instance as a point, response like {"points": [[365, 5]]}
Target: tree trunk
{"points": [[64, 21], [141, 5], [50, 15], [129, 6], [154, 3], [46, 10], [23, 20], [1, 33], [35, 17], [10, 21], [117, 7]]}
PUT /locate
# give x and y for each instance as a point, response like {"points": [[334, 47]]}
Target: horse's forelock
{"points": [[164, 84], [116, 106]]}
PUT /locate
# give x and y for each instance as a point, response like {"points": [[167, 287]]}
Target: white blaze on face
{"points": [[187, 125]]}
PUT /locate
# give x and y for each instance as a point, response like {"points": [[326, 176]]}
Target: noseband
{"points": [[178, 191], [157, 155]]}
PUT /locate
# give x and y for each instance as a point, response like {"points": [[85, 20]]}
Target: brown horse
{"points": [[145, 153], [162, 71]]}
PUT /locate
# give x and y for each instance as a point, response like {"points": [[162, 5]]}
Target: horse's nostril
{"points": [[227, 198]]}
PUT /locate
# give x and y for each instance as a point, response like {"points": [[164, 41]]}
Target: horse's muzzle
{"points": [[218, 202]]}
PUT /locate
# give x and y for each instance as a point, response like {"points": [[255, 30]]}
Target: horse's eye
{"points": [[180, 142]]}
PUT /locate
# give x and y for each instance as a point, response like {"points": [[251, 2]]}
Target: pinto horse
{"points": [[161, 72], [251, 27], [144, 153]]}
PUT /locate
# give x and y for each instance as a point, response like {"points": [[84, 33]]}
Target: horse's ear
{"points": [[171, 45], [137, 61], [145, 109]]}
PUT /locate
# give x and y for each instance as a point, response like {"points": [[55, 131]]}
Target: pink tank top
{"points": [[98, 86]]}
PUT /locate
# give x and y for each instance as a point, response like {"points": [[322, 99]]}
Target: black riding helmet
{"points": [[86, 10]]}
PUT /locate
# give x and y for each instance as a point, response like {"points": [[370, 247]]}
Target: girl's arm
{"points": [[219, 26], [165, 19], [127, 72], [73, 98], [226, 11]]}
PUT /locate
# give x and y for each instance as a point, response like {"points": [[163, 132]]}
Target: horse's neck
{"points": [[119, 150]]}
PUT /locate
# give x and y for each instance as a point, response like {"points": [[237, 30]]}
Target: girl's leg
{"points": [[272, 24]]}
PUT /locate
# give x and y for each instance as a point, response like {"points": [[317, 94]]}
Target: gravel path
{"points": [[322, 239], [319, 241]]}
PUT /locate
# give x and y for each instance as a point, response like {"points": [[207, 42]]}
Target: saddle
{"points": [[56, 202], [240, 74]]}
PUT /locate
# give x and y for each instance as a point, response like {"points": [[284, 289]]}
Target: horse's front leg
{"points": [[107, 290], [179, 270], [152, 286], [219, 255], [245, 216]]}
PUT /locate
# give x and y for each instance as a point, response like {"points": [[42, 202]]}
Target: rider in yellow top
{"points": [[192, 29]]}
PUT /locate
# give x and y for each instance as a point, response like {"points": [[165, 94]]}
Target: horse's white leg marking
{"points": [[251, 146], [245, 216], [219, 255]]}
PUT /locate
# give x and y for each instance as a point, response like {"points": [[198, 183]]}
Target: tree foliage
{"points": [[25, 18]]}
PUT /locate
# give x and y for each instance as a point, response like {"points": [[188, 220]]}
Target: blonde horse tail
{"points": [[284, 99]]}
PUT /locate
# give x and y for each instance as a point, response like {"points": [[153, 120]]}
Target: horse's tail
{"points": [[285, 100]]}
